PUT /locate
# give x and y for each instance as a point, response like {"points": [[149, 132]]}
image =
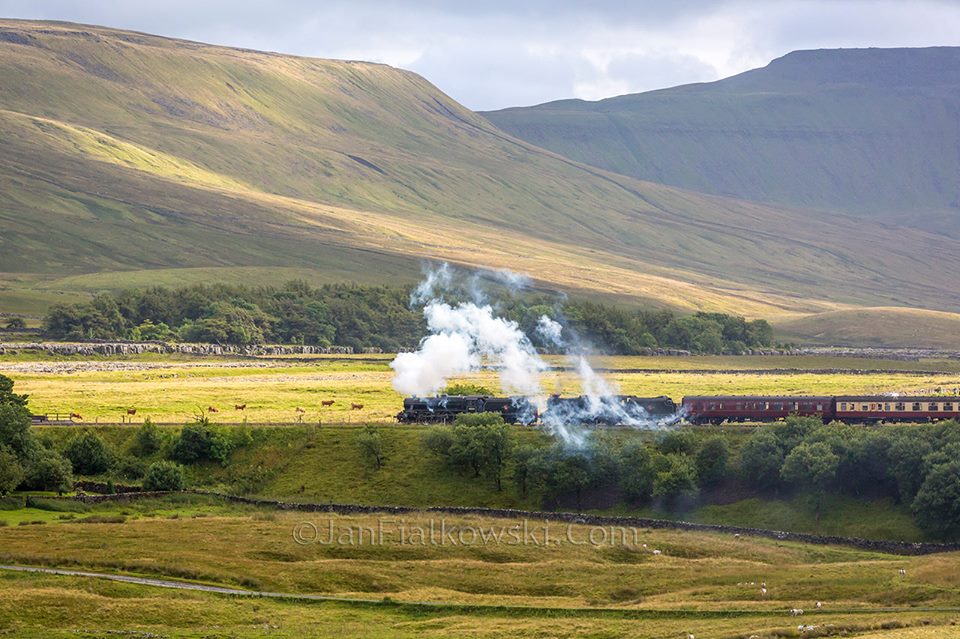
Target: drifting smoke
{"points": [[467, 335]]}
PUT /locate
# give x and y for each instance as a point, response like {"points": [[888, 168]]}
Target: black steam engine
{"points": [[445, 408]]}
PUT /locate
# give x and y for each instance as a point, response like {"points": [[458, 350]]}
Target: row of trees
{"points": [[671, 472], [373, 316], [916, 465]]}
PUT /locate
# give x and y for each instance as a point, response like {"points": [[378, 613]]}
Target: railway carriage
{"points": [[745, 408], [885, 408]]}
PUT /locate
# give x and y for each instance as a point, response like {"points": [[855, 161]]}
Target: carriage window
{"points": [[864, 407], [796, 406], [819, 406], [886, 407], [778, 406], [721, 405], [916, 406], [739, 405], [766, 406], [843, 406], [948, 406], [900, 406], [934, 406]]}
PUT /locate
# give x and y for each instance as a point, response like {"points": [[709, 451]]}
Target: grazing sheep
{"points": [[796, 612], [356, 406], [763, 591], [299, 410], [211, 409], [657, 552], [819, 605], [239, 407], [903, 572]]}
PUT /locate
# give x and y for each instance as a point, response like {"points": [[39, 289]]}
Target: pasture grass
{"points": [[169, 389], [701, 583]]}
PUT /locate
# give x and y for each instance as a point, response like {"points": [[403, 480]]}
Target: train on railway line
{"points": [[698, 409]]}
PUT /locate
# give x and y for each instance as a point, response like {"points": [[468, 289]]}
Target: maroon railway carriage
{"points": [[745, 408], [886, 408]]}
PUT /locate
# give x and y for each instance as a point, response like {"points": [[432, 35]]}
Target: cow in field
{"points": [[211, 409], [76, 416], [239, 407], [327, 402], [131, 411], [356, 406]]}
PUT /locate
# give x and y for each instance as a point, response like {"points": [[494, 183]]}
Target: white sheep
{"points": [[819, 605], [657, 552], [903, 572], [796, 612]]}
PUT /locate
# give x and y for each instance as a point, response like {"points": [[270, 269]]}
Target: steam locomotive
{"points": [[630, 409], [445, 408]]}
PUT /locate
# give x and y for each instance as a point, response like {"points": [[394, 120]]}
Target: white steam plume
{"points": [[463, 338]]}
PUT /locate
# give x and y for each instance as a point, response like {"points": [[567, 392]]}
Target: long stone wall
{"points": [[876, 545], [135, 348]]}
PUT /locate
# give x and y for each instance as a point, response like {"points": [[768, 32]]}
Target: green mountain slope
{"points": [[873, 132], [129, 158]]}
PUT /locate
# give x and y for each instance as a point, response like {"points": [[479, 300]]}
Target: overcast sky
{"points": [[500, 53]]}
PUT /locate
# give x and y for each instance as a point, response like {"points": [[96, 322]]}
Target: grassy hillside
{"points": [[872, 132], [129, 157], [891, 326]]}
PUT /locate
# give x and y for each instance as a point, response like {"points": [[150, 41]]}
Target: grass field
{"points": [[174, 390], [706, 584]]}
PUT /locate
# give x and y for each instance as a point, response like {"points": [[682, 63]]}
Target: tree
{"points": [[812, 466], [48, 470], [558, 472], [906, 464], [467, 389], [479, 442], [371, 445], [164, 475], [201, 442], [11, 472], [937, 504], [677, 441], [637, 471], [761, 458], [88, 454], [795, 429], [678, 481], [14, 420], [147, 440], [521, 466], [712, 460], [16, 323]]}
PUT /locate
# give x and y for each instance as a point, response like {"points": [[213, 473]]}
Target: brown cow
{"points": [[211, 409], [76, 416], [327, 402], [356, 406], [131, 411], [239, 407]]}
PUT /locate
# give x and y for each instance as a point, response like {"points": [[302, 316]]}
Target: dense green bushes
{"points": [[164, 475], [374, 316]]}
